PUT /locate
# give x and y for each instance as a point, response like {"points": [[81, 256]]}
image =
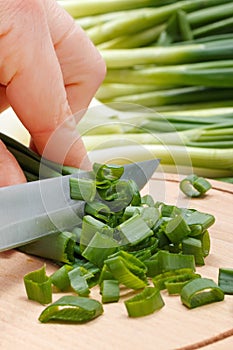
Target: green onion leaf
{"points": [[127, 272], [60, 278], [177, 229], [100, 248], [134, 230], [200, 291], [82, 189], [160, 280], [72, 309], [78, 281], [58, 247], [225, 280], [144, 303], [193, 246], [194, 186], [38, 286], [174, 285], [110, 172], [110, 291]]}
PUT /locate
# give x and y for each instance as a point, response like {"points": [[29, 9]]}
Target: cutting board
{"points": [[172, 327]]}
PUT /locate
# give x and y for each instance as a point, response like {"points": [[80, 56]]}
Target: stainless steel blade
{"points": [[36, 209]]}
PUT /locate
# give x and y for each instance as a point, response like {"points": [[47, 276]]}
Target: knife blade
{"points": [[36, 209]]}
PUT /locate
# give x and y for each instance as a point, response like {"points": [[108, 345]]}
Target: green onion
{"points": [[72, 309], [160, 279], [82, 189], [110, 291], [225, 280], [78, 281], [194, 186], [90, 226], [130, 272], [200, 291], [58, 247], [60, 278], [176, 229], [100, 248], [134, 230], [175, 284], [107, 172], [98, 210], [144, 303], [193, 246], [164, 261], [38, 286]]}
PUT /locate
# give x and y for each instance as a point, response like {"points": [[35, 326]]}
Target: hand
{"points": [[49, 70]]}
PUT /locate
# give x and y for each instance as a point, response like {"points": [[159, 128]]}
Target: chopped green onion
{"points": [[195, 217], [60, 278], [194, 186], [82, 189], [200, 291], [110, 291], [160, 280], [128, 273], [100, 248], [144, 303], [98, 210], [166, 261], [193, 246], [90, 226], [174, 285], [177, 229], [110, 172], [72, 309], [134, 230], [58, 247], [38, 286], [205, 241], [225, 280], [78, 281], [147, 199]]}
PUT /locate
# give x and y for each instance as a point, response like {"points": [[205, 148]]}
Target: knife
{"points": [[36, 209]]}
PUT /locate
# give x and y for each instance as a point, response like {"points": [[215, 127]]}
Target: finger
{"points": [[34, 81], [4, 104], [10, 171], [82, 66]]}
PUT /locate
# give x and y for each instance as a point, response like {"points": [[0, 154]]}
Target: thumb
{"points": [[10, 171]]}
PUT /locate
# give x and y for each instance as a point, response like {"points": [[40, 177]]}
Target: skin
{"points": [[49, 70]]}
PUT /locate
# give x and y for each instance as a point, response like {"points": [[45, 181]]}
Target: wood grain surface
{"points": [[171, 328]]}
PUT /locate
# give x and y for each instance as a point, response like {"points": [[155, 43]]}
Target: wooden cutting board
{"points": [[172, 327]]}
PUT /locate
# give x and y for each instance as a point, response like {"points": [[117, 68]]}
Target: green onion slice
{"points": [[134, 230], [38, 286], [127, 272], [225, 280], [107, 171], [78, 281], [193, 246], [194, 186], [72, 309], [60, 278], [177, 229], [160, 280], [144, 303], [110, 291], [175, 284], [82, 189], [200, 291]]}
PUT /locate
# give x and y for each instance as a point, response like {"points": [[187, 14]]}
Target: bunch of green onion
{"points": [[174, 58]]}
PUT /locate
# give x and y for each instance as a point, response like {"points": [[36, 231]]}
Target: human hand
{"points": [[49, 70]]}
